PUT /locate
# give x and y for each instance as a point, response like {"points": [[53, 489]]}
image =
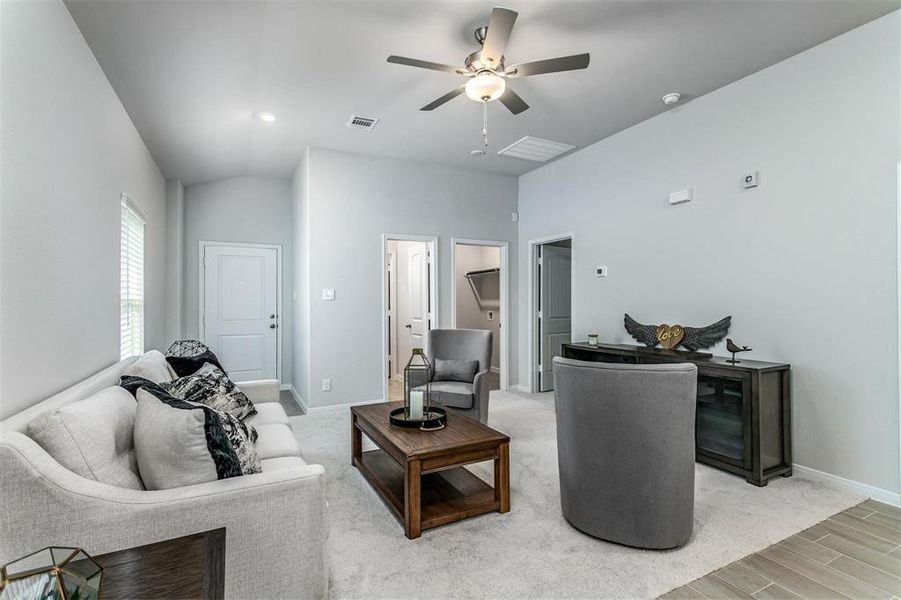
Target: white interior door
{"points": [[391, 303], [240, 309], [418, 285], [554, 308]]}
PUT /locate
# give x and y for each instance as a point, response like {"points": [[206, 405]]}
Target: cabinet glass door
{"points": [[719, 420]]}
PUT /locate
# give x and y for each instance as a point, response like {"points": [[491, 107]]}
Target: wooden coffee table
{"points": [[420, 474]]}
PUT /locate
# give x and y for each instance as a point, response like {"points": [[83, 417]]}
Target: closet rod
{"points": [[482, 272]]}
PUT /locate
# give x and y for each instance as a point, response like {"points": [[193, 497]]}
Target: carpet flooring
{"points": [[532, 552]]}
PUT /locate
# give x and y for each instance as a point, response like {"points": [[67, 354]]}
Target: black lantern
{"points": [[418, 411]]}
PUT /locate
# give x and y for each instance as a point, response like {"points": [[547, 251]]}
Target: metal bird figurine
{"points": [[735, 349]]}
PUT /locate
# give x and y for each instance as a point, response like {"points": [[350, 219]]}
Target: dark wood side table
{"points": [[187, 567], [420, 474]]}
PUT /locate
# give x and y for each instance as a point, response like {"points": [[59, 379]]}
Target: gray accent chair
{"points": [[626, 450], [470, 399]]}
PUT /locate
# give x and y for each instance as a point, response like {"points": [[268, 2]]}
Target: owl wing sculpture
{"points": [[698, 338], [646, 334]]}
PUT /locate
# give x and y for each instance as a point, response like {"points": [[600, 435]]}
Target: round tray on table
{"points": [[435, 418]]}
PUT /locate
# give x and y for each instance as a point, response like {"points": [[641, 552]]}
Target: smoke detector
{"points": [[477, 153], [672, 98]]}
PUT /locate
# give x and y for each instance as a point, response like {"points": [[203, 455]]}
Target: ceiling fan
{"points": [[486, 70]]}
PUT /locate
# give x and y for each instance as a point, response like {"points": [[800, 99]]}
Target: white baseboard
{"points": [[300, 401], [285, 387], [878, 494], [343, 406], [519, 388]]}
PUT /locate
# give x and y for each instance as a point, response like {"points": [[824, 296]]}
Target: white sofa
{"points": [[276, 527]]}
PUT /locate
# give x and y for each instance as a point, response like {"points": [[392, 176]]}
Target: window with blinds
{"points": [[131, 315]]}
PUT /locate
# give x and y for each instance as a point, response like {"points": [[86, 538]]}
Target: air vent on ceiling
{"points": [[358, 122], [535, 149]]}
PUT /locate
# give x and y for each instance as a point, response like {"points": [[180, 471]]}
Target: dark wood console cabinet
{"points": [[743, 422]]}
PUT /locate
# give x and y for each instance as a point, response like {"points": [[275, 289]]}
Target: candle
{"points": [[415, 405], [592, 339]]}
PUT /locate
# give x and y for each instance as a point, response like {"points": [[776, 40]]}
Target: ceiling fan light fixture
{"points": [[485, 87]]}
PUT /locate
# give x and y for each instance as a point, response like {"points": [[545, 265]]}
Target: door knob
{"points": [[408, 326], [273, 326], [272, 316]]}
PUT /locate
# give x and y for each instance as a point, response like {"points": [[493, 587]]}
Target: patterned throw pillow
{"points": [[181, 443], [212, 387], [188, 365]]}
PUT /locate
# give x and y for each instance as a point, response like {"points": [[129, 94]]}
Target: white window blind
{"points": [[131, 315]]}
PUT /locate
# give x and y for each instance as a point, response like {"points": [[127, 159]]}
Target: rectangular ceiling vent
{"points": [[358, 122], [535, 149]]}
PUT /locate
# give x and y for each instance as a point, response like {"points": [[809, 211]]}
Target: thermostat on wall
{"points": [[601, 271]]}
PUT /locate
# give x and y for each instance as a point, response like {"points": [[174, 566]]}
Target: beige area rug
{"points": [[532, 552]]}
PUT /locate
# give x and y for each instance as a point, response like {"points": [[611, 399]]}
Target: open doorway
{"points": [[409, 304], [479, 296], [551, 306]]}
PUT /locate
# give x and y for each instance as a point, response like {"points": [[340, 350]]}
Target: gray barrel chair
{"points": [[626, 450], [470, 399]]}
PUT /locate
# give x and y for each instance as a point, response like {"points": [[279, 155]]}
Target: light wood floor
{"points": [[854, 554]]}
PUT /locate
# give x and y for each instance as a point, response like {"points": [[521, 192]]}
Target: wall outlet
{"points": [[490, 315], [750, 180], [515, 216], [328, 294], [681, 196], [326, 385], [601, 271]]}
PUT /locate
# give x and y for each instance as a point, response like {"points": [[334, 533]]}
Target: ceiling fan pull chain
{"points": [[485, 123]]}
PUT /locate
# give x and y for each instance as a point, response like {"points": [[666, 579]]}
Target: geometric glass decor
{"points": [[417, 386], [53, 573]]}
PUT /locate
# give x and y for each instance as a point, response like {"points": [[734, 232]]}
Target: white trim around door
{"points": [[505, 294], [201, 292], [533, 291], [431, 242]]}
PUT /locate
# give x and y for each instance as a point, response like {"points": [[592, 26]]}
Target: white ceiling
{"points": [[192, 74]]}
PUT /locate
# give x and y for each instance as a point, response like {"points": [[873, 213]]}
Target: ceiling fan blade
{"points": [[422, 64], [550, 65], [445, 98], [513, 102], [499, 27]]}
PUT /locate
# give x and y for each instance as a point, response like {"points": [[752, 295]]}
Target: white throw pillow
{"points": [[93, 437], [151, 365], [181, 443]]}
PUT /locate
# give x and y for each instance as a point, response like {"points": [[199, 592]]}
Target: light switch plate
{"points": [[328, 294], [326, 385], [750, 180]]}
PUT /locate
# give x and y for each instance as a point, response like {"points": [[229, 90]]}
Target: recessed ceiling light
{"points": [[268, 117]]}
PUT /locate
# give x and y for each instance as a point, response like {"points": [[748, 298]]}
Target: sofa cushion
{"points": [[275, 440], [463, 371], [267, 413], [181, 443], [452, 393], [151, 365], [211, 387], [282, 463], [93, 437]]}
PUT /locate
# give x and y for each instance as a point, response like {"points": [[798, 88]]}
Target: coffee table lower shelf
{"points": [[446, 496]]}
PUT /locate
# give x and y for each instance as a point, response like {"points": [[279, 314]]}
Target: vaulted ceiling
{"points": [[194, 75]]}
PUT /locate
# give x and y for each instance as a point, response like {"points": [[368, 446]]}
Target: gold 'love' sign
{"points": [[669, 336]]}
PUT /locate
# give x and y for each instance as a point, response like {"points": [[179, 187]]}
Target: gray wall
{"points": [[175, 253], [301, 232], [806, 263], [471, 315], [68, 151], [353, 200], [253, 210]]}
